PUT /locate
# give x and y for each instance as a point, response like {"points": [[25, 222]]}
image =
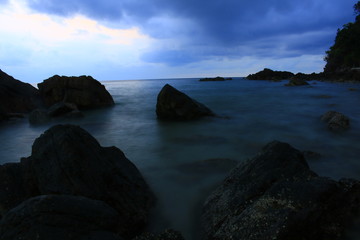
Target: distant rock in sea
{"points": [[175, 105], [268, 74], [214, 79], [84, 91], [16, 97], [67, 160], [276, 196]]}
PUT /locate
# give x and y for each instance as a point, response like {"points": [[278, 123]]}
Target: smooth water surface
{"points": [[256, 112]]}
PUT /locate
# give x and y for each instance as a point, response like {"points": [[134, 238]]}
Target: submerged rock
{"points": [[61, 109], [39, 116], [59, 217], [84, 91], [16, 96], [175, 105], [336, 121], [276, 196], [68, 160], [296, 82]]}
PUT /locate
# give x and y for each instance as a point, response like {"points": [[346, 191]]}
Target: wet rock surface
{"points": [[68, 160], [60, 217], [276, 196]]}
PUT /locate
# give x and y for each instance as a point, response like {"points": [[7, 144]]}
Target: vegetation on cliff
{"points": [[344, 55]]}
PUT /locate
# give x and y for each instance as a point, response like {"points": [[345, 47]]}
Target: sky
{"points": [[150, 39]]}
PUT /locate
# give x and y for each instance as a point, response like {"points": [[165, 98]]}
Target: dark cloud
{"points": [[230, 28]]}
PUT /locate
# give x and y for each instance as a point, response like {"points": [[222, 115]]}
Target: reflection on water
{"points": [[258, 112]]}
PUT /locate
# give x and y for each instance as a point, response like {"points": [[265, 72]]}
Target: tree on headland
{"points": [[345, 53], [357, 8]]}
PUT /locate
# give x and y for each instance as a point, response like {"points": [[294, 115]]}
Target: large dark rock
{"points": [[175, 105], [68, 160], [84, 91], [16, 96], [59, 217], [276, 196], [336, 121]]}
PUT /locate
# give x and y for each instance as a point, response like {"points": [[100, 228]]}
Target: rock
{"points": [[212, 79], [296, 82], [168, 234], [175, 105], [58, 217], [276, 196], [84, 91], [268, 74], [39, 116], [61, 108], [68, 160], [336, 121], [16, 96]]}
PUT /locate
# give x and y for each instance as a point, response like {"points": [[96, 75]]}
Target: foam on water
{"points": [[257, 111]]}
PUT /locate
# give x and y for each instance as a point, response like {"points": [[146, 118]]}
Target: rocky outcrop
{"points": [[59, 217], [336, 121], [16, 96], [276, 196], [268, 74], [68, 160], [296, 82], [84, 91], [175, 105]]}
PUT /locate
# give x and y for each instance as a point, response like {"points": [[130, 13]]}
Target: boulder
{"points": [[61, 109], [336, 121], [68, 160], [175, 105], [39, 116], [84, 91], [276, 196], [16, 96], [58, 217], [296, 82]]}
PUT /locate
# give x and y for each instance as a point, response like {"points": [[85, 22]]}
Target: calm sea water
{"points": [[257, 112]]}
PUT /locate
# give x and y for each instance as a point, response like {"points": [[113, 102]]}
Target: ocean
{"points": [[176, 157]]}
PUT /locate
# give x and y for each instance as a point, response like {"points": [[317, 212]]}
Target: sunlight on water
{"points": [[257, 111]]}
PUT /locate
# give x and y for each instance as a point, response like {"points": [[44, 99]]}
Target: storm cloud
{"points": [[195, 30]]}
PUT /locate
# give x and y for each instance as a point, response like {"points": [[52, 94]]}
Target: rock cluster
{"points": [[175, 105], [276, 196], [72, 186]]}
